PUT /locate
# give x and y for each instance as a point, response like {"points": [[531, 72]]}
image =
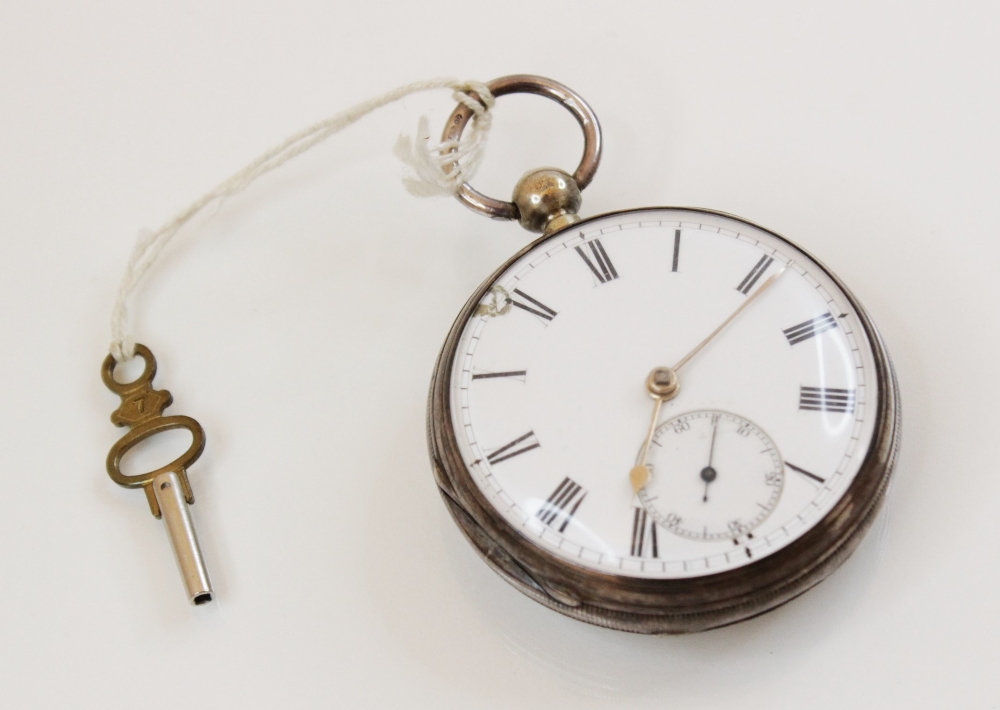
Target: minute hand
{"points": [[763, 287]]}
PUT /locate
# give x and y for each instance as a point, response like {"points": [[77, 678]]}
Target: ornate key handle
{"points": [[167, 488], [142, 410]]}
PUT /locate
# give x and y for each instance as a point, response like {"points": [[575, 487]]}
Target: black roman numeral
{"points": [[562, 504], [643, 535], [518, 446], [536, 308], [516, 374], [811, 328], [604, 269], [807, 474], [755, 273], [677, 248], [826, 399]]}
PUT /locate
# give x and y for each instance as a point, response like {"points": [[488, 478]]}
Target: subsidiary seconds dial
{"points": [[715, 476]]}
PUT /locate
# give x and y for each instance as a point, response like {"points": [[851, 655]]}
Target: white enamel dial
{"points": [[549, 407]]}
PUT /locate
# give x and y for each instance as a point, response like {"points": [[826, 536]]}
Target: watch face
{"points": [[771, 424]]}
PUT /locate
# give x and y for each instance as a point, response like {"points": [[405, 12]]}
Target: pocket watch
{"points": [[657, 420]]}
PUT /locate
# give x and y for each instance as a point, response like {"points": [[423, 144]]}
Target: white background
{"points": [[299, 324]]}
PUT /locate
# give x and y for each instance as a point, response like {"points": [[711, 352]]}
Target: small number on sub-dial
{"points": [[715, 476]]}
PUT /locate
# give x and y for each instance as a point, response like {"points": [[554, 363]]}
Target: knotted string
{"points": [[435, 169]]}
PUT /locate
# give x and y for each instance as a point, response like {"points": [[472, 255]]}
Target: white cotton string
{"points": [[436, 170], [443, 168]]}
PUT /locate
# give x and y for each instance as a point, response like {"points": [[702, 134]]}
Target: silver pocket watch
{"points": [[657, 420]]}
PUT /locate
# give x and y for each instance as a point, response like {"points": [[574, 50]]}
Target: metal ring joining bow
{"points": [[529, 84]]}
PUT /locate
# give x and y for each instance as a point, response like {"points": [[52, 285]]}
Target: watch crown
{"points": [[547, 199]]}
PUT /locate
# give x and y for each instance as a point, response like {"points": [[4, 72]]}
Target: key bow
{"points": [[141, 410]]}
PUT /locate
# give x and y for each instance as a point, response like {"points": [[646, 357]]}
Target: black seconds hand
{"points": [[708, 474]]}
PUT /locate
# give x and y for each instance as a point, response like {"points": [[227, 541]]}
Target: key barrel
{"points": [[170, 496], [167, 489]]}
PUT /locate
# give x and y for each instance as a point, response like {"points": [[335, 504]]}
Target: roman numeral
{"points": [[604, 269], [826, 399], [643, 535], [803, 472], [755, 273], [514, 448], [810, 328], [677, 248], [516, 374], [561, 506], [536, 308]]}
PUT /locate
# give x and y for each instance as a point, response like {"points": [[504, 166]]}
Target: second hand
{"points": [[709, 473]]}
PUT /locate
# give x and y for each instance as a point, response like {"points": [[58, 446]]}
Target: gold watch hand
{"points": [[662, 385], [763, 287]]}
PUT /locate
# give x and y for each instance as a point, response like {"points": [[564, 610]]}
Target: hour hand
{"points": [[639, 476], [662, 385]]}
